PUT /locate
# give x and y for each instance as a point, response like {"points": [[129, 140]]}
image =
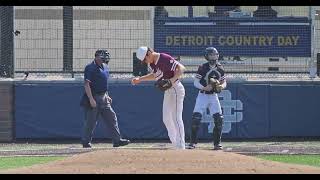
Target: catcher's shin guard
{"points": [[217, 130], [196, 118]]}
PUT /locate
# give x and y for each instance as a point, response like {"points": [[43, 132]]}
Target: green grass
{"points": [[22, 161], [312, 160]]}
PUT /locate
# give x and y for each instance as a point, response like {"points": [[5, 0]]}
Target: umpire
{"points": [[96, 100]]}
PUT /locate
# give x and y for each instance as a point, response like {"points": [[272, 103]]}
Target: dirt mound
{"points": [[163, 161]]}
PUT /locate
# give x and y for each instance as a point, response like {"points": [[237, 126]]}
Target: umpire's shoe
{"points": [[86, 145], [121, 142], [217, 147], [190, 146]]}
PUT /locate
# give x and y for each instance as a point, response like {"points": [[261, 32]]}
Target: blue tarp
{"points": [[51, 110], [294, 110]]}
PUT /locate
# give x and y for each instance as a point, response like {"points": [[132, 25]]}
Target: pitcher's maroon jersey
{"points": [[165, 66]]}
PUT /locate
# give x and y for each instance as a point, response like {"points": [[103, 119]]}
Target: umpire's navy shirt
{"points": [[97, 76]]}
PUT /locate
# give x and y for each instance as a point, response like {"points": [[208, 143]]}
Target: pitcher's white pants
{"points": [[172, 114]]}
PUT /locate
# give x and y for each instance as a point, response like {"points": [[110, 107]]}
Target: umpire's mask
{"points": [[104, 55]]}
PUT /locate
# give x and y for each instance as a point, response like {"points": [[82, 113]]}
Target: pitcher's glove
{"points": [[163, 84], [216, 86]]}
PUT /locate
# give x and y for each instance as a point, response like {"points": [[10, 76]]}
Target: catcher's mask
{"points": [[104, 55], [211, 55]]}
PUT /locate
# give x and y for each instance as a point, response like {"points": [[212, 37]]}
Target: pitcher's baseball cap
{"points": [[141, 52]]}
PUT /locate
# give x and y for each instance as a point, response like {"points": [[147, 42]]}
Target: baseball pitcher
{"points": [[166, 71]]}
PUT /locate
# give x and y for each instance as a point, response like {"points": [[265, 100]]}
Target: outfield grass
{"points": [[312, 160], [20, 161]]}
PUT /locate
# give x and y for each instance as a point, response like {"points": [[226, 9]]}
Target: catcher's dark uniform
{"points": [[208, 100]]}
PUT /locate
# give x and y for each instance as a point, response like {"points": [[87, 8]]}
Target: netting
{"points": [[268, 41], [120, 30], [39, 46], [271, 40]]}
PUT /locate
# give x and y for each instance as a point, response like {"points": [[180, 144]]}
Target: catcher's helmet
{"points": [[103, 54], [213, 51]]}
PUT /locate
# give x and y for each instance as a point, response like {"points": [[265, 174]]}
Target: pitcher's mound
{"points": [[163, 161]]}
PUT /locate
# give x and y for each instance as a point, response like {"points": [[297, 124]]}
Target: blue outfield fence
{"points": [[251, 110]]}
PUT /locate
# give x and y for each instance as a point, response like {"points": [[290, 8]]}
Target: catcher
{"points": [[210, 80], [166, 71]]}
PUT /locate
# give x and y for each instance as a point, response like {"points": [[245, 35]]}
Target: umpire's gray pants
{"points": [[108, 115]]}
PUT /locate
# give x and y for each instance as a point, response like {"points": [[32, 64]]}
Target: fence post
{"points": [[318, 64], [139, 69], [190, 11], [7, 42], [68, 39]]}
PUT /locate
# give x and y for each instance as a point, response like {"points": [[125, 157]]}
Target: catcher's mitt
{"points": [[163, 84], [216, 86]]}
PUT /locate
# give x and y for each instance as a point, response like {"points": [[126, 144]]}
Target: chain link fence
{"points": [[59, 41], [266, 48]]}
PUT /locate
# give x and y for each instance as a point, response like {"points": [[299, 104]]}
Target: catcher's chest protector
{"points": [[211, 72]]}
